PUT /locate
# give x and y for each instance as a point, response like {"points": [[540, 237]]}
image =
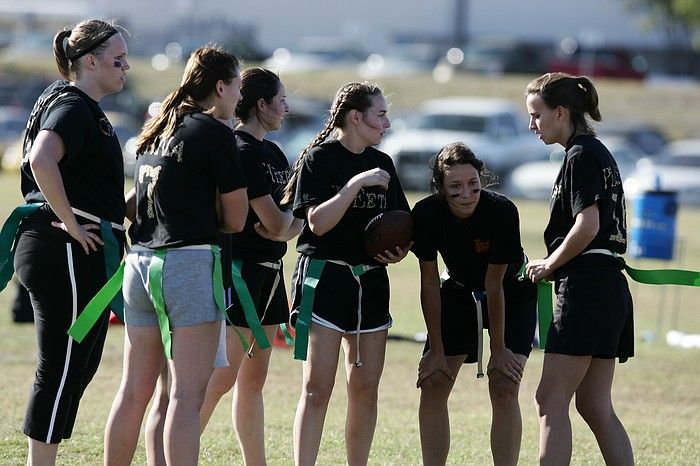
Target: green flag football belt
{"points": [[249, 311], [303, 323], [649, 277], [97, 304], [112, 248]]}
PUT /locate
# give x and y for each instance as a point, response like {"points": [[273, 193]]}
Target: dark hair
{"points": [[453, 154], [575, 93], [256, 84], [352, 96], [70, 45], [205, 67]]}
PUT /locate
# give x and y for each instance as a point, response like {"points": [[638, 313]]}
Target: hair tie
{"points": [[582, 87]]}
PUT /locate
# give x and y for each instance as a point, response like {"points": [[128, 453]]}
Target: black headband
{"points": [[91, 47]]}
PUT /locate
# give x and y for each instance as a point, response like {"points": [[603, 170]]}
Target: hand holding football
{"points": [[387, 231]]}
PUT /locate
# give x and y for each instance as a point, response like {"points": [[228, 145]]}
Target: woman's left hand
{"points": [[505, 361], [537, 270], [389, 257]]}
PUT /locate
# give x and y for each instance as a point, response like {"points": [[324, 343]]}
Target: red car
{"points": [[609, 63]]}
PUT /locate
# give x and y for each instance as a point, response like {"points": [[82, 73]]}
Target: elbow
{"points": [[232, 227], [317, 229]]}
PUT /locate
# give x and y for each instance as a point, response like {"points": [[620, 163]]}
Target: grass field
{"points": [[655, 393]]}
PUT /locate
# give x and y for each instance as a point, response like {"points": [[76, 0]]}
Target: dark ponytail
{"points": [[577, 94]]}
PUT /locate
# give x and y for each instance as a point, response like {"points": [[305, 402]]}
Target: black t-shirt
{"points": [[266, 172], [326, 169], [176, 187], [467, 246], [588, 175], [92, 167]]}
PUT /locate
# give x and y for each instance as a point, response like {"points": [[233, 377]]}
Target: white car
{"points": [[534, 180], [493, 128], [677, 169]]}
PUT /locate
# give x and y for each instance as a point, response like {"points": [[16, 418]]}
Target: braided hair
{"points": [[352, 96]]}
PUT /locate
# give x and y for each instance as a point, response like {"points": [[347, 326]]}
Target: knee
{"points": [[317, 393], [436, 388], [502, 389], [221, 381], [367, 392], [594, 412], [542, 401], [138, 394]]}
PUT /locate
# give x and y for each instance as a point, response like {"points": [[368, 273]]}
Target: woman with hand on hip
{"points": [[189, 186], [72, 178], [592, 322], [256, 255], [477, 233], [338, 187]]}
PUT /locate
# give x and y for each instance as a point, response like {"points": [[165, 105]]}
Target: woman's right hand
{"points": [[373, 177], [430, 363], [82, 234]]}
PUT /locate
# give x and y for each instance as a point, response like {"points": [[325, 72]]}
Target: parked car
{"points": [[677, 169], [498, 56], [649, 138], [600, 62], [493, 128], [534, 180], [314, 54]]}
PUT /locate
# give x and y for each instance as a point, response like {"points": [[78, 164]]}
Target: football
{"points": [[388, 230]]}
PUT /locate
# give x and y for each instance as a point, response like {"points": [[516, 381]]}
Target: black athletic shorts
{"points": [[593, 314], [459, 322], [335, 300], [260, 280]]}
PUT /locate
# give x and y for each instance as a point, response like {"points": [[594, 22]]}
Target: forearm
{"points": [[430, 305], [497, 316], [574, 243], [325, 216]]}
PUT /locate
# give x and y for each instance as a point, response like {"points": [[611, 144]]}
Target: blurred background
{"points": [[452, 69]]}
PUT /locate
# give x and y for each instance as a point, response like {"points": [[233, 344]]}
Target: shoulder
{"points": [[589, 146], [497, 201], [244, 143], [427, 205], [207, 126]]}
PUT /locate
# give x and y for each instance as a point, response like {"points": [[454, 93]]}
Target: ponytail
{"points": [[60, 43], [577, 94]]}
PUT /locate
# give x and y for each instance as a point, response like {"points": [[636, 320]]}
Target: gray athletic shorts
{"points": [[188, 291]]}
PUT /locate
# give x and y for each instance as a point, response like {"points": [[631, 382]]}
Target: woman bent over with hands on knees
{"points": [[341, 185], [72, 179], [257, 251], [186, 170], [477, 233], [592, 322]]}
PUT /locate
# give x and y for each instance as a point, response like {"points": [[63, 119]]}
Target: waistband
{"points": [[96, 219], [192, 247]]}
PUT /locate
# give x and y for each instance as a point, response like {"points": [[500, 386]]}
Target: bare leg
{"points": [[594, 403], [433, 415], [320, 368], [506, 424], [40, 453], [222, 378], [561, 376], [362, 387], [248, 407], [143, 359], [194, 348], [155, 422]]}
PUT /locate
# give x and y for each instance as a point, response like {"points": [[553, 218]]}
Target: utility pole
{"points": [[461, 21]]}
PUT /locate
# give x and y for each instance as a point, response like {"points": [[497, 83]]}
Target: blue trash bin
{"points": [[653, 230]]}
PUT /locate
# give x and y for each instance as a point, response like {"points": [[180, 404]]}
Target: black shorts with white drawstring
{"points": [[336, 298]]}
